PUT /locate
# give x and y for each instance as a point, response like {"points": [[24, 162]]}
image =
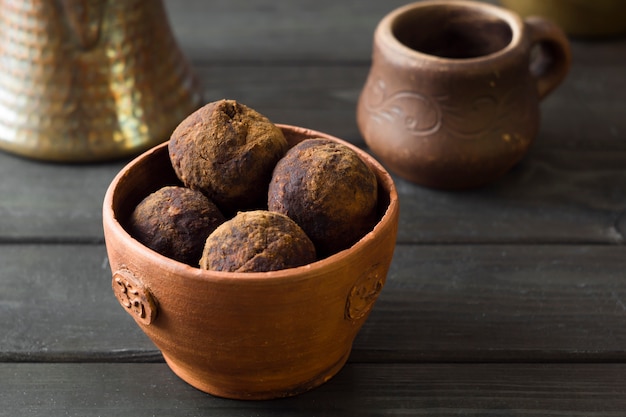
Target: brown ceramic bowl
{"points": [[246, 335]]}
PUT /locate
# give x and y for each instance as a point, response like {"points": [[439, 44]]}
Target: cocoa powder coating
{"points": [[228, 151], [175, 222], [328, 190], [257, 241]]}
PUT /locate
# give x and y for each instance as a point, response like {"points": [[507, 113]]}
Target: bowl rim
{"points": [[113, 226]]}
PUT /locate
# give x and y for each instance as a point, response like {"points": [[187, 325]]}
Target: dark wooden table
{"points": [[504, 301]]}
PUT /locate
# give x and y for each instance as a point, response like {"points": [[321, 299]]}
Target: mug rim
{"points": [[384, 30]]}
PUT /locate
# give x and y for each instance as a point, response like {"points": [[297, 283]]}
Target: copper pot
{"points": [[88, 80], [247, 335]]}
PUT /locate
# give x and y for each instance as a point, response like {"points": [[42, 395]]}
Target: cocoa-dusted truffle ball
{"points": [[257, 241], [328, 190], [228, 151], [175, 221]]}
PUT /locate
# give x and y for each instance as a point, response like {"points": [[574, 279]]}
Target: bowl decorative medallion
{"points": [[132, 295], [254, 335]]}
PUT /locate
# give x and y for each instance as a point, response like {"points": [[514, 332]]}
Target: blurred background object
{"points": [[89, 80], [578, 18]]}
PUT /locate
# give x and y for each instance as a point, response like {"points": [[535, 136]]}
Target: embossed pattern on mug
{"points": [[423, 115], [419, 113]]}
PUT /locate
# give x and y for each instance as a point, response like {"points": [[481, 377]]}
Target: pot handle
{"points": [[134, 296], [554, 60]]}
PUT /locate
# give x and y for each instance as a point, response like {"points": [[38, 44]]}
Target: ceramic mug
{"points": [[452, 97]]}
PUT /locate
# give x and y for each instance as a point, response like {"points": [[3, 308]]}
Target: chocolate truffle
{"points": [[175, 221], [257, 241], [228, 151], [328, 190]]}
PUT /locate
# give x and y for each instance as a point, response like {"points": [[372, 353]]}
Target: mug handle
{"points": [[552, 66]]}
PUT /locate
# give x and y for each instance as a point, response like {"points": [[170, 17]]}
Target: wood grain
{"points": [[284, 31], [493, 303], [56, 303], [508, 300], [455, 303], [566, 190], [50, 390], [52, 202]]}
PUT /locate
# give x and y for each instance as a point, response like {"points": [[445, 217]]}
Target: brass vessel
{"points": [[90, 80], [594, 19]]}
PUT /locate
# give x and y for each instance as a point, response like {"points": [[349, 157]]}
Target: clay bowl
{"points": [[246, 335]]}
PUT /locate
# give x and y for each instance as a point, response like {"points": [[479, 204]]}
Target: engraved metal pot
{"points": [[89, 80]]}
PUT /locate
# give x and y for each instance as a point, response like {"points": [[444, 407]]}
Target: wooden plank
{"points": [[586, 111], [52, 202], [302, 31], [458, 303], [271, 31], [566, 190], [553, 196], [314, 96], [499, 303], [50, 390], [56, 304]]}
